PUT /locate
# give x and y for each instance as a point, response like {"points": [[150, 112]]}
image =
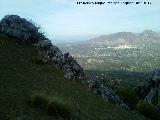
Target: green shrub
{"points": [[37, 60], [39, 101], [148, 110], [59, 108], [55, 106], [129, 96]]}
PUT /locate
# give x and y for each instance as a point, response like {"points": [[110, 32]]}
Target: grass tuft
{"points": [[37, 59], [148, 110], [58, 107], [129, 96], [39, 101]]}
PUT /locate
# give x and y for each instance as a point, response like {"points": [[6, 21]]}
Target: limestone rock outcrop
{"points": [[105, 92], [65, 61], [21, 29]]}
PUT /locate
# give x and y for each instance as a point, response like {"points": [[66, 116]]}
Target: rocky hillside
{"points": [[30, 65], [13, 26], [27, 32]]}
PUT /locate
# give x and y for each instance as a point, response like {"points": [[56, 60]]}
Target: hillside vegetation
{"points": [[21, 77], [126, 57]]}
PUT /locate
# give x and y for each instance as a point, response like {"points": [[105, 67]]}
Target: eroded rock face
{"points": [[152, 96], [20, 28], [150, 91], [71, 67], [65, 62], [105, 92]]}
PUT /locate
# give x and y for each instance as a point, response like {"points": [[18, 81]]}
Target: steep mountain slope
{"points": [[21, 77]]}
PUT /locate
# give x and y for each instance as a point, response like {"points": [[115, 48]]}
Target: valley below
{"points": [[125, 58]]}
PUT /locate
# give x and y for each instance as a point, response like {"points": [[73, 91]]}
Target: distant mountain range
{"points": [[122, 50], [112, 40]]}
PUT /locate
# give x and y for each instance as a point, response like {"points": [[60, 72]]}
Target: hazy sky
{"points": [[64, 20]]}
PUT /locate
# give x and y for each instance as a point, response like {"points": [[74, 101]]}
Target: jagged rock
{"points": [[21, 29], [70, 75], [149, 92], [55, 51], [152, 96], [71, 67], [143, 90], [158, 107], [44, 44], [66, 62], [105, 92]]}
